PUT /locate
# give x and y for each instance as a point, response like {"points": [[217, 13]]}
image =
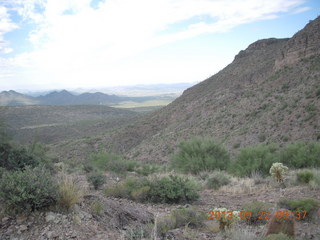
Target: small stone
{"points": [[77, 219], [50, 217], [52, 234], [5, 219], [23, 228]]}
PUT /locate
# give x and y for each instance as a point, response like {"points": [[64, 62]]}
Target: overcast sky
{"points": [[55, 44]]}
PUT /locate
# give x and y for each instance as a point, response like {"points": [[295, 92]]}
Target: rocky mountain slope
{"points": [[269, 93]]}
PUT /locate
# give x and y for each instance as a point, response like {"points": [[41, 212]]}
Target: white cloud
{"points": [[74, 41], [6, 25], [300, 10]]}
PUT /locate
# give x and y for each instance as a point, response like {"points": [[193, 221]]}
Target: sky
{"points": [[70, 44]]}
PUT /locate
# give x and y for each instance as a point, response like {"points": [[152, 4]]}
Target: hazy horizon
{"points": [[71, 44]]}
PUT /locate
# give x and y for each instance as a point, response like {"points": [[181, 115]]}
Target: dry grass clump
{"points": [[70, 191], [239, 185]]}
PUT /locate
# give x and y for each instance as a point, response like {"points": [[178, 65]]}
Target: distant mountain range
{"points": [[13, 98]]}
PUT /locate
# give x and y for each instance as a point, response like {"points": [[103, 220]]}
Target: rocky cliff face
{"points": [[304, 44]]}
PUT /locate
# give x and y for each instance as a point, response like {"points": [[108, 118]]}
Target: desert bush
{"points": [[163, 225], [216, 180], [315, 182], [198, 155], [118, 191], [254, 158], [111, 162], [28, 189], [173, 189], [191, 217], [279, 236], [70, 192], [140, 194], [311, 206], [97, 179], [305, 176], [165, 189], [277, 171], [148, 169], [129, 188], [301, 155], [256, 210], [13, 157]]}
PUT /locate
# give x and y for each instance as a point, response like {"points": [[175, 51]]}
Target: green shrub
{"points": [[305, 176], [301, 155], [15, 157], [111, 162], [254, 158], [167, 189], [279, 236], [311, 206], [173, 189], [191, 217], [315, 182], [28, 189], [128, 188], [217, 179], [97, 180], [140, 194], [147, 169], [118, 191], [259, 211], [198, 155]]}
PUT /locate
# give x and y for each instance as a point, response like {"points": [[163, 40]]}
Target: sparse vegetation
{"points": [[217, 179], [305, 176], [97, 208], [163, 189], [198, 155], [111, 162], [97, 179], [311, 206], [256, 209], [147, 169], [192, 217]]}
